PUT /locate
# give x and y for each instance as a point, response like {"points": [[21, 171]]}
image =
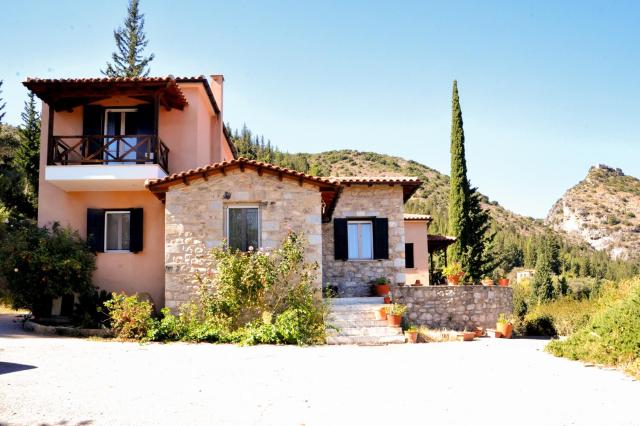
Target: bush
{"points": [[39, 264], [255, 297], [536, 324], [612, 337], [131, 316]]}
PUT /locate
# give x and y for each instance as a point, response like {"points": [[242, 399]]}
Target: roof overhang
{"points": [[68, 93], [412, 217], [409, 184], [329, 189]]}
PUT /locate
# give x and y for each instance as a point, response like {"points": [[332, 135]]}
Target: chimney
{"points": [[217, 81]]}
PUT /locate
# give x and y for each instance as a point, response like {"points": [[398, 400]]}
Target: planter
{"points": [[412, 336], [387, 299], [479, 331], [466, 336], [487, 282], [394, 320], [454, 279], [505, 329], [382, 289], [503, 282], [381, 314]]}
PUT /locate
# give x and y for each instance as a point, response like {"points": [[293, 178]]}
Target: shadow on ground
{"points": [[11, 367]]}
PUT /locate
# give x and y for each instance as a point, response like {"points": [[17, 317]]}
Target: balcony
{"points": [[104, 162]]}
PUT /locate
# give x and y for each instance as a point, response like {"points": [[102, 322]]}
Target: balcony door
{"points": [[120, 122]]}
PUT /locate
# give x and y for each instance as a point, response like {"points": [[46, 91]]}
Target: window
{"points": [[360, 239], [116, 231], [243, 227], [408, 255]]}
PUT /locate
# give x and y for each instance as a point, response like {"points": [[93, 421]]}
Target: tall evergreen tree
{"points": [[131, 40], [460, 190], [2, 104], [27, 155], [478, 259]]}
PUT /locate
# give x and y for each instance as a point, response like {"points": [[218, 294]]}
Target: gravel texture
{"points": [[69, 381]]}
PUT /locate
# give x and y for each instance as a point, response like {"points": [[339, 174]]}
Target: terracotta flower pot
{"points": [[454, 279], [412, 336], [503, 282], [381, 314], [487, 282], [387, 299], [466, 336], [382, 289], [505, 329], [479, 331], [394, 320]]}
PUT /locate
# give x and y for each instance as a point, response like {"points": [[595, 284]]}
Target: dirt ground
{"points": [[69, 381]]}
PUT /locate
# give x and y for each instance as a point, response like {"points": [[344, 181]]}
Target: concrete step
{"points": [[356, 307], [365, 331], [342, 323], [356, 300], [365, 340]]}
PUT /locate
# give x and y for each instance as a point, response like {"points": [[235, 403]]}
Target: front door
{"points": [[119, 123]]}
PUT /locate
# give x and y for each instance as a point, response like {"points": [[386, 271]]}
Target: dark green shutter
{"points": [[95, 229], [380, 238], [408, 255], [92, 125], [135, 230], [340, 239]]}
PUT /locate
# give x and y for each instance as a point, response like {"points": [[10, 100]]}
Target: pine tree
{"points": [[2, 104], [27, 157], [460, 190], [131, 40]]}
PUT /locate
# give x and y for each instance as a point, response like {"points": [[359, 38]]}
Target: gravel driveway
{"points": [[489, 381]]}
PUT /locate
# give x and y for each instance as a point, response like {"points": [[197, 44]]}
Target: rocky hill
{"points": [[603, 210]]}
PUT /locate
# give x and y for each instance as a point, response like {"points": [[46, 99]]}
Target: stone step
{"points": [[356, 307], [365, 340], [342, 323], [356, 300], [365, 331]]}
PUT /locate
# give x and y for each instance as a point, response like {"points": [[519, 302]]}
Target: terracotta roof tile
{"points": [[412, 216], [377, 179]]}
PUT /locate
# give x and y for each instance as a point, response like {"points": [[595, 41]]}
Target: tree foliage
{"points": [[2, 104], [27, 156], [128, 60]]}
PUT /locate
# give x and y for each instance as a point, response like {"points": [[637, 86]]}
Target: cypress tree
{"points": [[27, 157], [460, 190], [2, 104], [131, 40]]}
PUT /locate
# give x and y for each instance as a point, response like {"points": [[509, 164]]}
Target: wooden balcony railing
{"points": [[104, 149]]}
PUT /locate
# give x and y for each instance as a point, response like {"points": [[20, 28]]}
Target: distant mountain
{"points": [[603, 210]]}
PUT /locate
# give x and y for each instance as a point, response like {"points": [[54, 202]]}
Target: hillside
{"points": [[603, 210]]}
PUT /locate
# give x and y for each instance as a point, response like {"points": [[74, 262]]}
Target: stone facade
{"points": [[455, 307], [195, 222], [354, 277]]}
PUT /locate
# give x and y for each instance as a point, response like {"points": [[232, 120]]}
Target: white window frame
{"points": [[244, 206], [106, 224], [370, 222], [123, 124]]}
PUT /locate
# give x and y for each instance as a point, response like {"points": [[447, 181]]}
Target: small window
{"points": [[116, 231], [360, 239], [243, 227]]}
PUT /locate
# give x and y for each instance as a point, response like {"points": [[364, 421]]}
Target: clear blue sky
{"points": [[547, 88]]}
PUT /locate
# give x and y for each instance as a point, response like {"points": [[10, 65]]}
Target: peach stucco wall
{"points": [[193, 136], [415, 231]]}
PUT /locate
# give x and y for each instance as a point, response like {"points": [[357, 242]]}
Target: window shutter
{"points": [[135, 230], [408, 255], [95, 229], [145, 126], [380, 238], [340, 239], [92, 125]]}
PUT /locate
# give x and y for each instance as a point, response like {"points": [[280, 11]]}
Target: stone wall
{"points": [[354, 277], [195, 222], [455, 307]]}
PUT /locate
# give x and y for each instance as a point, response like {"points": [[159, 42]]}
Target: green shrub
{"points": [[39, 264], [254, 297], [612, 336], [535, 324], [131, 316]]}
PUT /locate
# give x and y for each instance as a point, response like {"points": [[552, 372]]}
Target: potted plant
{"points": [[411, 334], [387, 299], [504, 327], [381, 286], [381, 313], [487, 281], [503, 282], [466, 336], [395, 311], [480, 331], [453, 272]]}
